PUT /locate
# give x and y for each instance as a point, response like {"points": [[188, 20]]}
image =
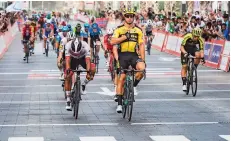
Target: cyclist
{"points": [[58, 40], [108, 46], [41, 23], [86, 32], [34, 30], [148, 30], [192, 44], [77, 31], [63, 40], [27, 34], [71, 33], [77, 53], [48, 30], [129, 37], [95, 34]]}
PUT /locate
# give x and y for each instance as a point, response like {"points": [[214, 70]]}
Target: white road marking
{"points": [[99, 138], [107, 124], [174, 123], [111, 94], [169, 138], [87, 124], [226, 137], [100, 74], [106, 90], [137, 100], [25, 139]]}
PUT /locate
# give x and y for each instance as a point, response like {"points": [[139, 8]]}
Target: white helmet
{"points": [[49, 21], [149, 22], [109, 31]]}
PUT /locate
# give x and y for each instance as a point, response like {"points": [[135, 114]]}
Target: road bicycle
{"points": [[191, 76]]}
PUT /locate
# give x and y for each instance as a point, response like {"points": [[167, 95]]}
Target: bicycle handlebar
{"points": [[79, 70]]}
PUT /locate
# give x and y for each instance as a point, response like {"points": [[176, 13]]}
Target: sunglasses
{"points": [[129, 16]]}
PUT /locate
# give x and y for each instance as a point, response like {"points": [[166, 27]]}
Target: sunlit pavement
{"points": [[33, 105]]}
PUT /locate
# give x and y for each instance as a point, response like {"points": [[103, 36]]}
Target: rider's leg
{"points": [[68, 83], [184, 71], [197, 61], [86, 64], [44, 44]]}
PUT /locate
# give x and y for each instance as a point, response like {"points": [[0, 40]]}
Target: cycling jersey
{"points": [[190, 44], [84, 51], [34, 29], [95, 34], [26, 33], [78, 34], [108, 46], [48, 29], [135, 40]]}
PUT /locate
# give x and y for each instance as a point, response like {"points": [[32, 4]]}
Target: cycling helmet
{"points": [[60, 28], [196, 32], [27, 22], [129, 10], [109, 31], [149, 22], [65, 29], [63, 23], [49, 21], [48, 16], [69, 26], [94, 25], [86, 25], [78, 26]]}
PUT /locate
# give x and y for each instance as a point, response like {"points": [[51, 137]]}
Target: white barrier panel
{"points": [[160, 40], [2, 46], [171, 43], [82, 18], [178, 45], [227, 48], [225, 57], [224, 64]]}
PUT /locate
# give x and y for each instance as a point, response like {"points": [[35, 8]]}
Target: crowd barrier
{"points": [[102, 22], [82, 18], [6, 39], [216, 52]]}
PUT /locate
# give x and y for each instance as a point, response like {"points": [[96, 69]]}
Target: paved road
{"points": [[32, 103]]}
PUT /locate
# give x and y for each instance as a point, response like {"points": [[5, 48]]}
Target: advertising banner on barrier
{"points": [[207, 49], [102, 22], [215, 54]]}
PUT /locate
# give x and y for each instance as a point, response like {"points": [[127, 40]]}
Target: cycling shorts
{"points": [[148, 33], [76, 62], [94, 40], [127, 58], [184, 60]]}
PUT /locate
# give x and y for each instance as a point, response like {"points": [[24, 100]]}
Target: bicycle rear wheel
{"points": [[77, 99], [194, 81], [130, 100]]}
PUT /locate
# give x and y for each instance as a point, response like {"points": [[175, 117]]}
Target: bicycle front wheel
{"points": [[77, 99], [125, 101], [194, 81], [27, 57], [130, 100]]}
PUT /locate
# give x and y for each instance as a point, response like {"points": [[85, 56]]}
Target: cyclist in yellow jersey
{"points": [[129, 37], [192, 44]]}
